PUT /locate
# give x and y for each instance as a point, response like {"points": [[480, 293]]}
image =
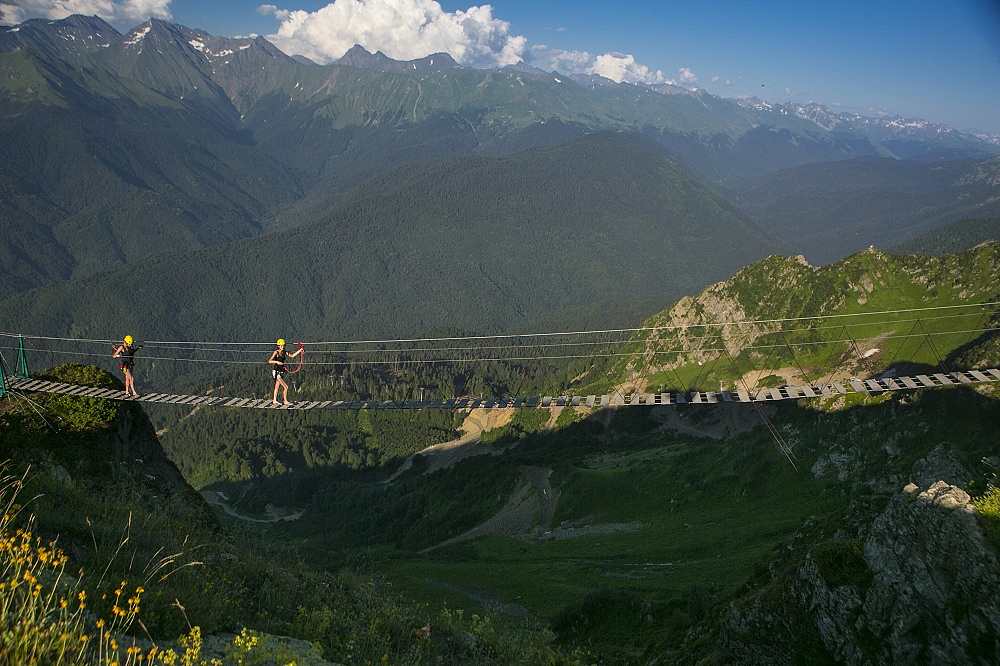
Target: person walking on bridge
{"points": [[278, 359], [126, 361]]}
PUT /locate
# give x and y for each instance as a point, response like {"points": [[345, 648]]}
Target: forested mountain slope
{"points": [[592, 231], [953, 237], [168, 139], [842, 207], [99, 172]]}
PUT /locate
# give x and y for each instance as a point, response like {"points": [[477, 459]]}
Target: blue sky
{"points": [[936, 60]]}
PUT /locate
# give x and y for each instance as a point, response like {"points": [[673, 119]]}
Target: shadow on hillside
{"points": [[338, 510]]}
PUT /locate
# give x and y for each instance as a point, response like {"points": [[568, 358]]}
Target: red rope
{"points": [[302, 353]]}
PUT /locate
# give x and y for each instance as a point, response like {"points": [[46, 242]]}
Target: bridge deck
{"points": [[869, 386]]}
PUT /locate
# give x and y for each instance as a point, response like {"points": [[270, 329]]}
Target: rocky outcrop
{"points": [[917, 584], [935, 596]]}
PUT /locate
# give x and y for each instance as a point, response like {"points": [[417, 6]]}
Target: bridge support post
{"points": [[21, 368]]}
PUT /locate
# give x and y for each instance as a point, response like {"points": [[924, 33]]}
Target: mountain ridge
{"points": [[358, 57], [127, 152]]}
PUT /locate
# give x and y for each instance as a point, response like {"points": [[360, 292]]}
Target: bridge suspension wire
{"points": [[210, 356], [509, 336], [648, 354]]}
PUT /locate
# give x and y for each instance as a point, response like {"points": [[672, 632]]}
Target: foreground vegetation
{"points": [[139, 558]]}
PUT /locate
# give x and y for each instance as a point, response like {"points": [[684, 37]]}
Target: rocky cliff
{"points": [[910, 579]]}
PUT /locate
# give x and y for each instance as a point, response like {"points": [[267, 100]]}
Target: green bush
{"points": [[840, 562], [84, 413], [988, 506], [771, 381]]}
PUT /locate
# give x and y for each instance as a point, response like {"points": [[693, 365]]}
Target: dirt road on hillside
{"points": [[274, 513], [446, 454]]}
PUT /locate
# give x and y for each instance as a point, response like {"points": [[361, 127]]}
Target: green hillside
{"points": [[918, 321], [112, 173], [647, 533], [496, 244]]}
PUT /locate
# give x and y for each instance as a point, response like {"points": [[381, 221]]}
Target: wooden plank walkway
{"points": [[853, 386]]}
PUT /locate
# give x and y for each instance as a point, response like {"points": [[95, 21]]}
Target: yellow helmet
{"points": [[281, 342], [128, 339]]}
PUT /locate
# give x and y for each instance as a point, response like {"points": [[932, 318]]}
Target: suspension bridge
{"points": [[869, 386], [829, 356]]}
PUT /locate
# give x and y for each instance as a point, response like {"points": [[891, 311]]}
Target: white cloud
{"points": [[402, 29], [687, 77], [280, 14], [623, 67], [119, 12], [615, 66]]}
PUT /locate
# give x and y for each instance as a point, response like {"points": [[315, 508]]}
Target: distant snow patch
{"points": [[138, 36]]}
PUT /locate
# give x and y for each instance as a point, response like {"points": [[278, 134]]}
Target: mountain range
{"points": [[163, 158]]}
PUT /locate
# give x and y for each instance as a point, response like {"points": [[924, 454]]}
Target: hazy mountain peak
{"points": [[521, 67], [905, 138], [358, 56], [69, 37], [670, 89], [593, 81]]}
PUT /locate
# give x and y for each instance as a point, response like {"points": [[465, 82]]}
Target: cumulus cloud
{"points": [[119, 12], [402, 29], [687, 77], [619, 67], [272, 10], [615, 66]]}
